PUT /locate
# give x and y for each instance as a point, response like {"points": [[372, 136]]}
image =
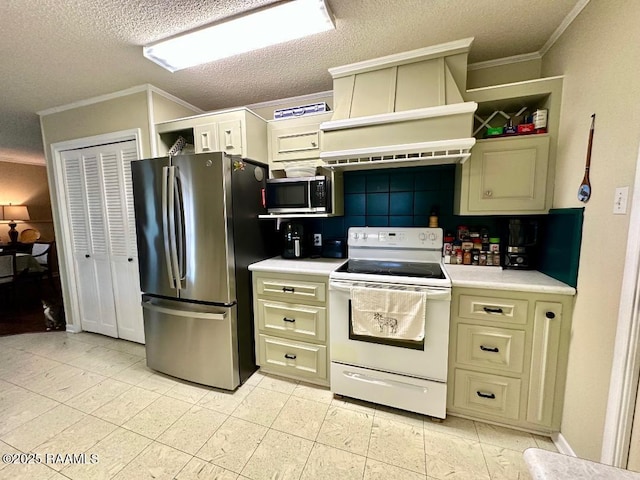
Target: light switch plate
{"points": [[620, 201]]}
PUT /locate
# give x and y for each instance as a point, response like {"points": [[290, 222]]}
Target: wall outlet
{"points": [[317, 239], [620, 201]]}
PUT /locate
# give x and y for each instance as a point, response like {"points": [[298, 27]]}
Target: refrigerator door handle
{"points": [[165, 225], [173, 248], [184, 313], [180, 233]]}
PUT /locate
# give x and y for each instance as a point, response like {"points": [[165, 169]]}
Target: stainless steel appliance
{"points": [[197, 231], [299, 195], [410, 374], [294, 240], [522, 244]]}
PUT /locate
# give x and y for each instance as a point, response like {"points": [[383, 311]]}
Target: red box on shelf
{"points": [[526, 128]]}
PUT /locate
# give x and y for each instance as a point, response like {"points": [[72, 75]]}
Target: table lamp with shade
{"points": [[13, 213]]}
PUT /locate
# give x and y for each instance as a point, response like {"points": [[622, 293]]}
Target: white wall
{"points": [[599, 55]]}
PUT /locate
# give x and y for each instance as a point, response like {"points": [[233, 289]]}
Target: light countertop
{"points": [[545, 465], [496, 278], [310, 266]]}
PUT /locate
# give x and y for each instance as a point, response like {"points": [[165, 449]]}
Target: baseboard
{"points": [[562, 444], [73, 329]]}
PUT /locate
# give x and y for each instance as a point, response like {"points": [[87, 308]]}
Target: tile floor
{"points": [[69, 394]]}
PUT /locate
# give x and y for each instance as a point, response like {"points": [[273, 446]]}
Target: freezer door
{"points": [[193, 342], [203, 231], [150, 192]]}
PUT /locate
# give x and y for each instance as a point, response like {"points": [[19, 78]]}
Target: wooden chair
{"points": [[43, 254]]}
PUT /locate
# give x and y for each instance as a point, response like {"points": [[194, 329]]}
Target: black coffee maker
{"points": [[294, 240], [522, 244]]}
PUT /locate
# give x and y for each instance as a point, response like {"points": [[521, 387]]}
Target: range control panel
{"points": [[400, 237]]}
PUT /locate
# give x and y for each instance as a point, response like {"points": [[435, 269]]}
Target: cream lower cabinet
{"points": [[290, 313], [505, 176], [507, 358]]}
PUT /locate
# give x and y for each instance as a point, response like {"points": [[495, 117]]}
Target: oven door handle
{"points": [[432, 293]]}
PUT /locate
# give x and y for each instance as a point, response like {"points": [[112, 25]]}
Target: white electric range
{"points": [[406, 374]]}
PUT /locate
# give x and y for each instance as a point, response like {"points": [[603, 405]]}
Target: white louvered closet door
{"points": [[101, 221], [88, 239], [118, 195]]}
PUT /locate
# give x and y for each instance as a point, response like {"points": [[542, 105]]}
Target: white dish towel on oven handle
{"points": [[385, 313]]}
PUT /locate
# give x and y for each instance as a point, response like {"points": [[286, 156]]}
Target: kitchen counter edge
{"points": [[307, 266], [470, 276], [497, 278]]}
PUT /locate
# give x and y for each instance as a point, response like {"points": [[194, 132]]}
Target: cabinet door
{"points": [[509, 174], [206, 138], [544, 362], [123, 254], [88, 239], [230, 137], [295, 143]]}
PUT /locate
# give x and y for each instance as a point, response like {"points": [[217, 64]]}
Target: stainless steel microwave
{"points": [[299, 195]]}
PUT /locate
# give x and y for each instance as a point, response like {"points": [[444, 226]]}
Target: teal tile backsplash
{"points": [[398, 197], [405, 197]]}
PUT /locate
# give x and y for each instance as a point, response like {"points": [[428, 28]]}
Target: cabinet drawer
{"points": [[306, 322], [499, 348], [487, 394], [293, 358], [493, 309], [291, 290]]}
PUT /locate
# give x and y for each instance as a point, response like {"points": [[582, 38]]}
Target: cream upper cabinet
{"points": [[505, 175], [295, 138], [508, 356], [206, 138], [511, 175], [236, 132]]}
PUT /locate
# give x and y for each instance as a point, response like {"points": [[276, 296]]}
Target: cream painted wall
{"points": [[27, 185], [165, 109], [117, 114], [598, 56], [509, 73]]}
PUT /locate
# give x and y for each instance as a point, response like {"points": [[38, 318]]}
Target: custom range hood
{"points": [[401, 110]]}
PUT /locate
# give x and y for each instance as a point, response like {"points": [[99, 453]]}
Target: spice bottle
{"points": [[433, 218], [466, 257]]}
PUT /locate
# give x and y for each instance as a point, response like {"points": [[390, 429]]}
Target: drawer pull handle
{"points": [[489, 349], [493, 310], [550, 315], [491, 396], [288, 289], [290, 320], [290, 356]]}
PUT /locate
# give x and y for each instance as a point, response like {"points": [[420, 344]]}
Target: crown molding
{"points": [[121, 93], [300, 98], [498, 62], [568, 20]]}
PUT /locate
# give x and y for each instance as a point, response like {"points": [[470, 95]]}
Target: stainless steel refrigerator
{"points": [[197, 231]]}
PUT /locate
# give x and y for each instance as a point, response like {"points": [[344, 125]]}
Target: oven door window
{"points": [[288, 195], [383, 341]]}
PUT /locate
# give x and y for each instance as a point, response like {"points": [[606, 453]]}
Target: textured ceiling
{"points": [[55, 52]]}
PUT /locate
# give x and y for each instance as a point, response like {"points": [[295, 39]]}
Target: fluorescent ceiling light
{"points": [[268, 26]]}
